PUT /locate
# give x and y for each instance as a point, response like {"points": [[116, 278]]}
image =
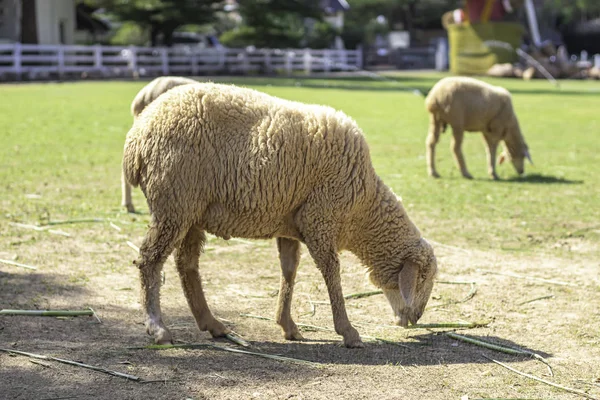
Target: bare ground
{"points": [[92, 268]]}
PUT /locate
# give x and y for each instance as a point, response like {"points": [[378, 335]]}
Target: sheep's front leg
{"points": [[491, 147], [456, 145], [326, 258], [186, 259], [126, 194], [435, 128], [156, 247], [289, 257]]}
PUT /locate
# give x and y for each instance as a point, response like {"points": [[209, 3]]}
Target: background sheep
{"points": [[237, 162], [144, 97], [467, 104]]}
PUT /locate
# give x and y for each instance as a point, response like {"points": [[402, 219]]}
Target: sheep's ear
{"points": [[528, 156], [408, 282], [501, 158]]}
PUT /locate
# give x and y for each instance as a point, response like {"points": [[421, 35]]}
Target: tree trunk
{"points": [[154, 31], [29, 32]]}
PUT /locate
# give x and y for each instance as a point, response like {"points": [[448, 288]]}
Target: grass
{"points": [[60, 170], [64, 143]]}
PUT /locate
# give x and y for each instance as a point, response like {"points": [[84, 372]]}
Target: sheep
{"points": [[236, 162], [144, 97], [467, 104]]}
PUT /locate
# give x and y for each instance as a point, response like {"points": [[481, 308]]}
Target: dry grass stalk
{"points": [[75, 363], [536, 299], [499, 348], [322, 328], [235, 338], [229, 349], [535, 378], [468, 297], [362, 294], [95, 315], [48, 313], [40, 229], [115, 227], [133, 246], [451, 325], [531, 278], [74, 221], [8, 262]]}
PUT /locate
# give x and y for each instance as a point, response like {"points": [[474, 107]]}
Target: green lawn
{"points": [[64, 142], [60, 156]]}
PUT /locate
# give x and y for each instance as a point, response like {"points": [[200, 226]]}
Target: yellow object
{"points": [[487, 11], [471, 55]]}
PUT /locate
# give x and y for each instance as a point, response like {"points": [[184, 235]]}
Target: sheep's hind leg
{"points": [[435, 128], [156, 247], [289, 257], [456, 145], [186, 259]]}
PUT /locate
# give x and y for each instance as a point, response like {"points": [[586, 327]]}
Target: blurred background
{"points": [[41, 39]]}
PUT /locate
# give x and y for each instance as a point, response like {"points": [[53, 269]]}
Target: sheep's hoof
{"points": [[217, 329], [352, 340], [130, 208], [467, 175], [434, 174], [293, 335], [161, 335], [494, 177], [354, 344]]}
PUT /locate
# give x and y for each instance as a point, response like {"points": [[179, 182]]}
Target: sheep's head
{"points": [[517, 159], [415, 282]]}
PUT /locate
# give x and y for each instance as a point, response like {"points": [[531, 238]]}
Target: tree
{"points": [[411, 14], [274, 23], [161, 17]]}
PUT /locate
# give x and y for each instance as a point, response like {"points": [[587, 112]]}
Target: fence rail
{"points": [[33, 61]]}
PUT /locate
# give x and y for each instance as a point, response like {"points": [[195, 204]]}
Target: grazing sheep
{"points": [[467, 104], [235, 162], [144, 97]]}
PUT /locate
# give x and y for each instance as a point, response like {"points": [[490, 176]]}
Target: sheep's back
{"points": [[250, 151], [467, 102]]}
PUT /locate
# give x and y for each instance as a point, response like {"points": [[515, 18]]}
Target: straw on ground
{"points": [[16, 264], [223, 348], [75, 363], [535, 378]]}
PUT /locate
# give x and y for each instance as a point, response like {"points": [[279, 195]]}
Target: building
{"points": [[37, 21]]}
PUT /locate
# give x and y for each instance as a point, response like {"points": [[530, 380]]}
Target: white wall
{"points": [[49, 14], [10, 18]]}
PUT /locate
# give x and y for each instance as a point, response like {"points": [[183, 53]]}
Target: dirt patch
{"points": [[92, 268]]}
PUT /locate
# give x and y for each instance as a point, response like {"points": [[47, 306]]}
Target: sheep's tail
{"points": [[132, 160], [434, 108]]}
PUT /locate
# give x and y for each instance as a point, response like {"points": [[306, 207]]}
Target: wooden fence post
{"points": [[60, 58], [288, 62], [133, 65], [17, 52], [164, 56], [307, 58]]}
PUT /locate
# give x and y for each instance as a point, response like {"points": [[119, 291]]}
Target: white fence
{"points": [[32, 61]]}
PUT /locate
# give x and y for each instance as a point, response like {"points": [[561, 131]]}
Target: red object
{"points": [[475, 9]]}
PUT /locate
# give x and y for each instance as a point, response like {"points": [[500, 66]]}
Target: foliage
{"points": [[129, 33], [572, 11], [161, 17], [408, 15], [275, 23]]}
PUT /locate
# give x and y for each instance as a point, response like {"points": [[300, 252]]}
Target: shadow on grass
{"points": [[543, 179]]}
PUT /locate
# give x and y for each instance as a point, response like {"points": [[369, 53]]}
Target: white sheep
{"points": [[144, 97], [468, 104], [239, 163]]}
